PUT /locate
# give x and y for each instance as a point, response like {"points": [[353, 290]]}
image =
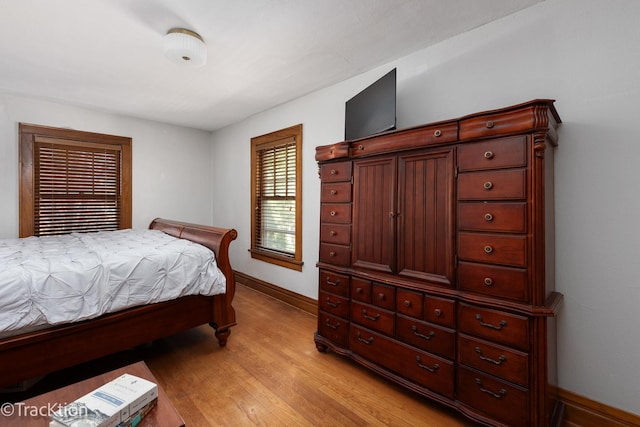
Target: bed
{"points": [[38, 352]]}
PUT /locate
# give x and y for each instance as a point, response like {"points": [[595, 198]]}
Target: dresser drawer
{"points": [[503, 362], [330, 172], [334, 329], [508, 184], [373, 317], [499, 399], [383, 296], [493, 249], [334, 304], [335, 233], [493, 280], [495, 124], [410, 303], [335, 254], [499, 217], [427, 336], [497, 326], [335, 213], [440, 311], [411, 139], [334, 283], [335, 192], [361, 290], [493, 154], [420, 367]]}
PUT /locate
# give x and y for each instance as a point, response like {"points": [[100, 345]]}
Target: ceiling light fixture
{"points": [[185, 47]]}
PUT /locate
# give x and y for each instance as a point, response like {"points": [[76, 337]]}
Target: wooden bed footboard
{"points": [[38, 353]]}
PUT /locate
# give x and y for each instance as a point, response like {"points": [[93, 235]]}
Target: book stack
{"points": [[122, 402]]}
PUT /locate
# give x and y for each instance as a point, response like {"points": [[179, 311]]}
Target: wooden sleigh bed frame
{"points": [[38, 353]]}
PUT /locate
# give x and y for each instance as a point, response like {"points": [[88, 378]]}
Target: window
{"points": [[73, 181], [276, 197]]}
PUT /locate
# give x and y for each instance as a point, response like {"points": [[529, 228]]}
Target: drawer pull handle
{"points": [[329, 325], [333, 213], [333, 192], [362, 340], [330, 283], [488, 185], [427, 337], [407, 303], [437, 133], [488, 217], [332, 254], [381, 297], [488, 281], [432, 370], [334, 172], [366, 316], [437, 312], [332, 233], [501, 359], [498, 395], [490, 124], [332, 304], [488, 154], [503, 323], [488, 249]]}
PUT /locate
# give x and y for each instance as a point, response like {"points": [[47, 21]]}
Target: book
{"points": [[116, 402]]}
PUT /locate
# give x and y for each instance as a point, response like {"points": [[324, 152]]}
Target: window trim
{"points": [[27, 137], [258, 143]]}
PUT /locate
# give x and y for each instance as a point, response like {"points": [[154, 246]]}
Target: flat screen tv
{"points": [[373, 110]]}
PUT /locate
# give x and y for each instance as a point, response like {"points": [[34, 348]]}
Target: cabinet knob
{"points": [[332, 254], [488, 249], [437, 312], [488, 154], [358, 290], [437, 133], [381, 297], [488, 217], [488, 185], [333, 192], [334, 172], [407, 303], [332, 233], [361, 147], [488, 281], [490, 124], [332, 213]]}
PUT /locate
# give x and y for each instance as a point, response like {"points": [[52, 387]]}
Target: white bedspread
{"points": [[62, 279]]}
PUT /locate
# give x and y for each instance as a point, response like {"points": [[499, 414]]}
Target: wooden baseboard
{"points": [[307, 304], [579, 411]]}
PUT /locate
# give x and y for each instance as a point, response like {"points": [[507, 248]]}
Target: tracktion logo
{"points": [[21, 409]]}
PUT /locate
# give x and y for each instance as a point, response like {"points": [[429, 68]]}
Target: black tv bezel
{"points": [[362, 103]]}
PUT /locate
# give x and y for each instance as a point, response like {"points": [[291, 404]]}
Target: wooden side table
{"points": [[36, 411]]}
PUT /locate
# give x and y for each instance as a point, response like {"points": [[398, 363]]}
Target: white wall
{"points": [[171, 165], [583, 53]]}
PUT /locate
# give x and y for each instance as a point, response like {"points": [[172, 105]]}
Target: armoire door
{"points": [[425, 218], [374, 195]]}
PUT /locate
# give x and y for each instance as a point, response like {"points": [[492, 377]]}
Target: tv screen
{"points": [[373, 110]]}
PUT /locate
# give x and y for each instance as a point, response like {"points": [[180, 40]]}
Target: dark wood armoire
{"points": [[436, 262]]}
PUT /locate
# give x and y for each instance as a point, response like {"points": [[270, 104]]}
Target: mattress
{"points": [[62, 279]]}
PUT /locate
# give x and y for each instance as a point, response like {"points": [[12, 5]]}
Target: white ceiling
{"points": [[107, 54]]}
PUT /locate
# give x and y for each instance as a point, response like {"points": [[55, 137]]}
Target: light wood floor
{"points": [[270, 374]]}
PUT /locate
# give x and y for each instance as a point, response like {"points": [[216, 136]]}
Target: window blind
{"points": [[77, 186], [276, 197]]}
